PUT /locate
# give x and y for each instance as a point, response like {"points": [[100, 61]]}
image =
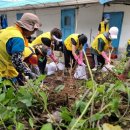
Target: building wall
{"points": [[87, 19]]}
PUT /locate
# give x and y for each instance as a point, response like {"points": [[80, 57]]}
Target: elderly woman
{"points": [[12, 43]]}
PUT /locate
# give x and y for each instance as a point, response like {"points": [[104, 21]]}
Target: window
{"points": [[19, 15], [67, 21], [4, 22]]}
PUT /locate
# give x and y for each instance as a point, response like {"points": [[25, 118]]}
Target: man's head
{"points": [[56, 34], [113, 32], [106, 18], [82, 39], [29, 22]]}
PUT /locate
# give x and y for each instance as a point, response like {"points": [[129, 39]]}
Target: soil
{"points": [[67, 96]]}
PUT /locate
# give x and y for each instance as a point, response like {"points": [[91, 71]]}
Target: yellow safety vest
{"points": [[38, 41], [103, 29], [6, 67], [28, 52], [95, 43], [68, 42], [128, 49], [128, 42]]}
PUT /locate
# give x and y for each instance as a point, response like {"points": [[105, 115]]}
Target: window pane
{"points": [[67, 21]]}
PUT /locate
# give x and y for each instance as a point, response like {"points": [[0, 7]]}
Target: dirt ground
{"points": [[67, 96]]}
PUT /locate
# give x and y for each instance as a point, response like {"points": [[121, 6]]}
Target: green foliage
{"points": [[65, 114], [59, 88], [47, 126], [23, 105], [31, 122]]}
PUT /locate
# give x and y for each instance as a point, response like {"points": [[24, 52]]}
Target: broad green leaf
{"points": [[65, 114], [47, 126], [59, 88], [97, 116], [2, 97], [10, 93], [20, 126], [79, 124], [7, 82], [28, 102], [31, 122], [44, 97], [89, 84], [101, 88], [115, 104], [38, 81]]}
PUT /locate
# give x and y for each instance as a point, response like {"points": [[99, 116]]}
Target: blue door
{"points": [[116, 20], [67, 22]]}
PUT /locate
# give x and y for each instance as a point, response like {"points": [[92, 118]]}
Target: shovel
{"points": [[109, 68]]}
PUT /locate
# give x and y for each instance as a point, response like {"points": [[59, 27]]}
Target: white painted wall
{"points": [[88, 18]]}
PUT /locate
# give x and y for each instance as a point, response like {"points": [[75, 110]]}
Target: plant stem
{"points": [[91, 99]]}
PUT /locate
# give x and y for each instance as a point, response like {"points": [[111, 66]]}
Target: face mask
{"points": [[106, 20], [110, 37]]}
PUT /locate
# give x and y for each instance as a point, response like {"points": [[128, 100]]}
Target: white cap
{"points": [[113, 32]]}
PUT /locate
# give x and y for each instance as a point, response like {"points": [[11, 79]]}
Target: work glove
{"points": [[32, 75], [105, 57], [81, 55], [79, 59], [76, 57], [36, 70], [52, 56]]}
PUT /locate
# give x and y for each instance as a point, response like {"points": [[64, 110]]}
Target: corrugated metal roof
{"points": [[35, 4], [17, 3], [7, 5]]}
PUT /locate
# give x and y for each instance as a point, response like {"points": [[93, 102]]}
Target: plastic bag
{"points": [[109, 66], [60, 66], [51, 68], [80, 73]]}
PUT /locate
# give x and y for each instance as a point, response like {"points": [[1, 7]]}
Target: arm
{"points": [[15, 47], [99, 28], [19, 64], [74, 48], [79, 58], [101, 46]]}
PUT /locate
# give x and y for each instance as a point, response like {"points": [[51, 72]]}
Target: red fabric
{"points": [[113, 56], [122, 77], [33, 60]]}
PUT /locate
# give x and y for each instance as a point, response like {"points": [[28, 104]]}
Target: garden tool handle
{"points": [[109, 56]]}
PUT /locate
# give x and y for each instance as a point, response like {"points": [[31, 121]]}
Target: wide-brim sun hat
{"points": [[29, 21]]}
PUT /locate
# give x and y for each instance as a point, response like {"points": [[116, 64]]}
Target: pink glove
{"points": [[105, 57], [81, 56], [80, 61], [52, 56], [76, 57]]}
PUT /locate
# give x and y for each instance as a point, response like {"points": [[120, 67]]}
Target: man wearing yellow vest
{"points": [[72, 44], [12, 43], [47, 40], [104, 25], [100, 45]]}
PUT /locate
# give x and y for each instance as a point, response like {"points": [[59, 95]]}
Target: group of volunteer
{"points": [[19, 58]]}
